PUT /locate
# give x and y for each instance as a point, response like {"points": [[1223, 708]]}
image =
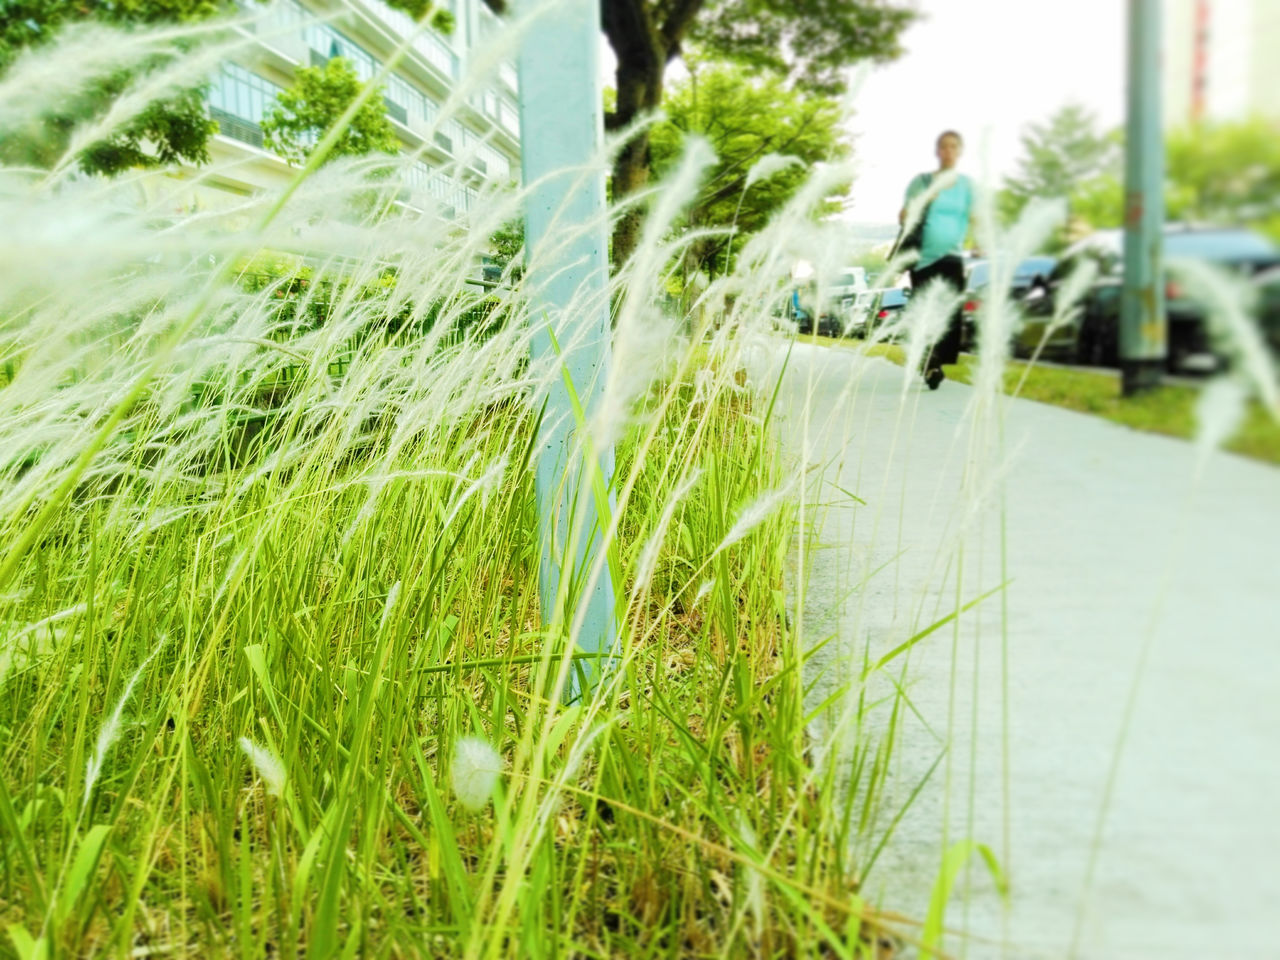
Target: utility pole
{"points": [[561, 134], [1143, 330]]}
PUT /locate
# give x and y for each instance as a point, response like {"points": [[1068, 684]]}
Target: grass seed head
{"points": [[267, 765], [476, 766]]}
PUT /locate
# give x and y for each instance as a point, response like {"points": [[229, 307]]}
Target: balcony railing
{"points": [[395, 111], [236, 127]]}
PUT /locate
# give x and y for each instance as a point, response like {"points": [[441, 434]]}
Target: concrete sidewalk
{"points": [[1107, 543]]}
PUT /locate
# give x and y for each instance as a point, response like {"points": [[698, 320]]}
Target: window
{"points": [[508, 75], [399, 91], [508, 117], [285, 19], [417, 177], [427, 42], [239, 100]]}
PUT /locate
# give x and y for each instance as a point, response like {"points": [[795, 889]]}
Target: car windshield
{"points": [[979, 274], [849, 279], [1035, 267], [895, 297]]}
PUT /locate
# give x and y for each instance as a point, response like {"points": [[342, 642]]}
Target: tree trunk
{"points": [[644, 46], [630, 173], [639, 93]]}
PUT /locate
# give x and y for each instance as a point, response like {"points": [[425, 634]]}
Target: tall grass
{"points": [[273, 673], [273, 679]]}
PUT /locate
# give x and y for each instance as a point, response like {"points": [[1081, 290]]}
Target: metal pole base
{"points": [[1138, 376]]}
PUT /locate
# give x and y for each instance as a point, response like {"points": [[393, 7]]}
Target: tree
{"points": [[1225, 172], [745, 118], [1060, 157], [318, 98], [174, 129], [808, 40], [1215, 172]]}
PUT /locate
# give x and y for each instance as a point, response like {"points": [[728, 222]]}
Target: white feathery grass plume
{"points": [[767, 166], [109, 732], [773, 250], [704, 590], [925, 319], [267, 765], [678, 191], [56, 72], [1219, 410], [997, 315], [643, 349], [1226, 300], [393, 595], [181, 74], [754, 514], [476, 766], [1066, 301], [653, 546]]}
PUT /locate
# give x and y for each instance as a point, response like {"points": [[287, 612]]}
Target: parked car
{"points": [[892, 300], [1031, 274], [1094, 335], [848, 303], [800, 311]]}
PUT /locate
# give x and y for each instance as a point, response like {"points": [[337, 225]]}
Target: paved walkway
{"points": [[1102, 522]]}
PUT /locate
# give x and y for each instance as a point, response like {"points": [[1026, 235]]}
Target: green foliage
{"points": [[1060, 157], [745, 118], [439, 18], [808, 41], [1098, 203], [1226, 172], [507, 242], [174, 129], [811, 40], [310, 108]]}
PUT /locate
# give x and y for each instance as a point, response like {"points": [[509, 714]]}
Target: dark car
{"points": [[1031, 274], [1093, 337]]}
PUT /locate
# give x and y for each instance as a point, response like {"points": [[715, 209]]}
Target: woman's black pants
{"points": [[951, 271]]}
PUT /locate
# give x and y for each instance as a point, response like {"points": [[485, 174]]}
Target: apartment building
{"points": [[1220, 60], [485, 132]]}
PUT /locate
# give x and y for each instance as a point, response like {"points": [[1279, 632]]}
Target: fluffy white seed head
{"points": [[267, 765], [476, 766], [1219, 410], [768, 165], [754, 514], [109, 732]]}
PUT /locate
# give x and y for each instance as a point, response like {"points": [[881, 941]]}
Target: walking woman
{"points": [[940, 237]]}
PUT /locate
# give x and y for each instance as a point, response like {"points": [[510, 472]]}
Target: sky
{"points": [[985, 68]]}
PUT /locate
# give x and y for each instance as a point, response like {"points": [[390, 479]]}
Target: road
{"points": [[1116, 544]]}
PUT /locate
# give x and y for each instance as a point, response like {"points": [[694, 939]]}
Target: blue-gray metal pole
{"points": [[1143, 337], [561, 133]]}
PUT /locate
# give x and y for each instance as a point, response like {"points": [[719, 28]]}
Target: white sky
{"points": [[985, 68]]}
